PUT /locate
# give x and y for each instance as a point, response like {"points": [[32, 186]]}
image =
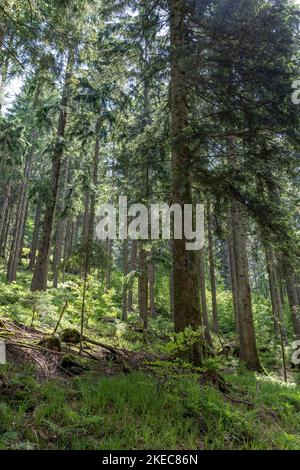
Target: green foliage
{"points": [[182, 342], [93, 412], [225, 310], [100, 70], [119, 413]]}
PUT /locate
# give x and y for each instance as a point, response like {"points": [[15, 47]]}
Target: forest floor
{"points": [[129, 396]]}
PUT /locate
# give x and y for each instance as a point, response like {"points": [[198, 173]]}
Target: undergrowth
{"points": [[139, 410], [120, 412]]}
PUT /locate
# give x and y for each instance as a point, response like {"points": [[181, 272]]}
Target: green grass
{"points": [[140, 411]]}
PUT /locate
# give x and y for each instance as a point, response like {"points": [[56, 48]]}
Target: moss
{"points": [[74, 364], [51, 342], [70, 335]]}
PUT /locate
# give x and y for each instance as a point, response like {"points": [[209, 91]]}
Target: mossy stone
{"points": [[51, 342], [74, 364], [70, 335]]}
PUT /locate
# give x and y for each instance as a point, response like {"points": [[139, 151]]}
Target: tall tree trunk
{"points": [[91, 219], [212, 271], [274, 290], [23, 232], [292, 295], [85, 226], [40, 275], [57, 252], [143, 285], [225, 262], [171, 287], [151, 276], [35, 235], [248, 347], [92, 206], [297, 285], [109, 244], [125, 272], [60, 227], [88, 237], [202, 283], [10, 217], [67, 250], [133, 263], [233, 283], [19, 223], [75, 237], [186, 291], [171, 283], [4, 215]]}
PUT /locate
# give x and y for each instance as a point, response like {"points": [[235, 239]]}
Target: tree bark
{"points": [[151, 276], [274, 290], [35, 235], [60, 227], [233, 282], [109, 264], [10, 215], [202, 282], [297, 285], [23, 232], [212, 271], [143, 285], [67, 250], [4, 215], [57, 253], [292, 295], [186, 290], [92, 206], [248, 347], [20, 220], [85, 226], [171, 283], [40, 275], [125, 272], [133, 263]]}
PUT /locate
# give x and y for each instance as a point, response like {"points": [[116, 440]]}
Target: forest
{"points": [[114, 335]]}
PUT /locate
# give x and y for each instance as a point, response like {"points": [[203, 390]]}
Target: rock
{"points": [[70, 335], [51, 342], [75, 364]]}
